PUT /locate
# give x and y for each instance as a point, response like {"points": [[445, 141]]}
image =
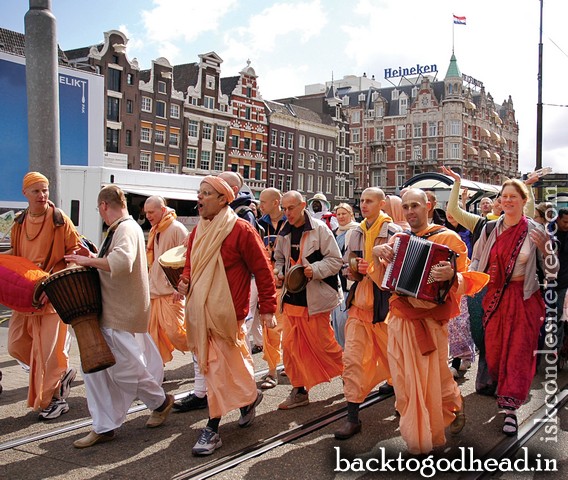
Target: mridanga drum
{"points": [[75, 293], [172, 262]]}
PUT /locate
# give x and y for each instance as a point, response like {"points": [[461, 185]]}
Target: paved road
{"points": [[140, 453]]}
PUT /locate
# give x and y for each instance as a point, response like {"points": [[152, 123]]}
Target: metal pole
{"points": [[42, 88], [539, 101]]}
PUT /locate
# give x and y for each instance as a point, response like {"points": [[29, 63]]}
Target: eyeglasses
{"points": [[290, 208], [206, 193], [98, 206]]}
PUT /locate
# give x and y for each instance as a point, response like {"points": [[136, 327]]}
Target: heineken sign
{"points": [[407, 72]]}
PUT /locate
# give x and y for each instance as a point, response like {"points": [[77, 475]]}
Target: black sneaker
{"points": [[249, 413], [386, 389], [256, 349], [191, 402]]}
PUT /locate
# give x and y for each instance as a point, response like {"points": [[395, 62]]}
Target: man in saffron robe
{"points": [[311, 353], [167, 306], [43, 234], [223, 252], [365, 355], [427, 396]]}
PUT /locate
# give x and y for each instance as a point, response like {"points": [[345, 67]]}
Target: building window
{"points": [[417, 130], [247, 113], [235, 141], [273, 159], [288, 183], [432, 152], [207, 128], [272, 180], [320, 183], [289, 162], [145, 134], [174, 139], [312, 143], [310, 186], [400, 177], [220, 133], [401, 132], [112, 140], [113, 79], [246, 171], [191, 158], [234, 167], [146, 104], [311, 162], [301, 160], [209, 102], [210, 82], [282, 139], [302, 141], [356, 116], [174, 110], [400, 155], [321, 144], [273, 138], [145, 159], [192, 128], [327, 184], [329, 146], [454, 150], [128, 138], [290, 141], [300, 181], [379, 134], [249, 92], [454, 128], [158, 166], [281, 161], [280, 183], [129, 79], [219, 161], [432, 129], [247, 143], [205, 163], [355, 135], [417, 153], [329, 164], [161, 87], [258, 171], [403, 106], [161, 109], [258, 145], [113, 107], [129, 106], [160, 137], [320, 165]]}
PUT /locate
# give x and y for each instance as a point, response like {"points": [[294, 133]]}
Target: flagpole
{"points": [[453, 28]]}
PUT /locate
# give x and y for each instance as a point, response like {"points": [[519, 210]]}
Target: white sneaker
{"points": [[65, 387], [207, 443], [55, 409]]}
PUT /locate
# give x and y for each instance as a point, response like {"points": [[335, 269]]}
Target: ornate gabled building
{"points": [[121, 94], [420, 125], [248, 131]]}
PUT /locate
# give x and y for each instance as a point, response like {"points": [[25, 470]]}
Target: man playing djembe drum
{"points": [[427, 396], [43, 234], [167, 306], [138, 372]]}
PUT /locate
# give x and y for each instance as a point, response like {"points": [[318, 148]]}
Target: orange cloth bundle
{"points": [[18, 280]]}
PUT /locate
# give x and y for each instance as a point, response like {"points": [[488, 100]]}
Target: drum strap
{"points": [[108, 239]]}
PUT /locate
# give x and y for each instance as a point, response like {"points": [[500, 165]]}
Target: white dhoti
{"points": [[138, 373]]}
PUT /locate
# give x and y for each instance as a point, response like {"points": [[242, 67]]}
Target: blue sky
{"points": [[292, 43]]}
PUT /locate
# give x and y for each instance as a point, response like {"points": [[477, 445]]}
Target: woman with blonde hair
{"points": [[346, 220]]}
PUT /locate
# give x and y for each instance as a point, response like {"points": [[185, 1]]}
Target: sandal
{"points": [[459, 422], [510, 425], [268, 382]]}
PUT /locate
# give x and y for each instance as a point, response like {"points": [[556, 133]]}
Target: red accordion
{"points": [[410, 272]]}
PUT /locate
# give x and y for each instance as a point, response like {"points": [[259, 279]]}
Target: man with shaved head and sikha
{"points": [[167, 306], [365, 355], [311, 353], [427, 396], [223, 252]]}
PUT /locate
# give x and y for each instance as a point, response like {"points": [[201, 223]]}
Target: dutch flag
{"points": [[459, 20]]}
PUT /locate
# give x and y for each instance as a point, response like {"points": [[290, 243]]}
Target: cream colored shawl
{"points": [[209, 309]]}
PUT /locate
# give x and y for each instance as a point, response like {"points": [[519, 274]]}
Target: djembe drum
{"points": [[172, 262], [75, 293]]}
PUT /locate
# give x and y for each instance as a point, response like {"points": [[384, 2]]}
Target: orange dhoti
{"points": [[311, 353], [426, 393], [272, 338], [230, 375], [167, 326], [365, 355], [39, 341]]}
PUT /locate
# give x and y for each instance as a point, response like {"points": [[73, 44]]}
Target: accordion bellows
{"points": [[410, 272], [18, 279]]}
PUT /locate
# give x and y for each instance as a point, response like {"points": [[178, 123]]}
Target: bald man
{"points": [[311, 353], [167, 306], [272, 221], [427, 396], [365, 355]]}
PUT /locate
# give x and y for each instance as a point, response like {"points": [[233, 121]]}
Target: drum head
{"points": [[354, 266], [174, 257], [295, 280]]}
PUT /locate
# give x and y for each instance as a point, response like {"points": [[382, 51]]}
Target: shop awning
{"points": [[471, 150], [485, 132], [485, 154]]}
